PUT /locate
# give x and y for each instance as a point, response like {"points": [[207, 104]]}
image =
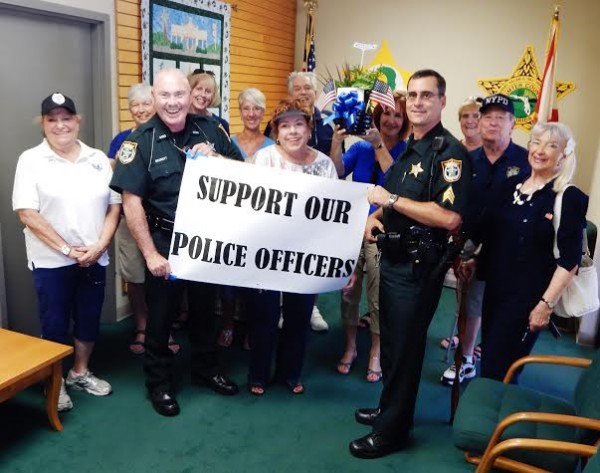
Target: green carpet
{"points": [[278, 432]]}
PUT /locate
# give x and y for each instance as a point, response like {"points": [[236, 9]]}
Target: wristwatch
{"points": [[391, 199], [551, 305], [65, 250]]}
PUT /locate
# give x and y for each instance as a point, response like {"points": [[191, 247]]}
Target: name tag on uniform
{"points": [[160, 160]]}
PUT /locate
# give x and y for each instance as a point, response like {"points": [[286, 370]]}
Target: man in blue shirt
{"points": [[492, 164]]}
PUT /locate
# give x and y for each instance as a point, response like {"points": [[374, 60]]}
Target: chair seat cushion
{"points": [[486, 402]]}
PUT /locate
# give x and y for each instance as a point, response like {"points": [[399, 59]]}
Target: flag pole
{"points": [[311, 9], [545, 109]]}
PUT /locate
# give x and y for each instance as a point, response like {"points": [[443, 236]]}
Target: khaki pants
{"points": [[350, 304]]}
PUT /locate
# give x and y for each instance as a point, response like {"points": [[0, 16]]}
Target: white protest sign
{"points": [[252, 226]]}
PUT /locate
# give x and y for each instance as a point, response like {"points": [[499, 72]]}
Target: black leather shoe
{"points": [[366, 415], [219, 384], [164, 403], [375, 445]]}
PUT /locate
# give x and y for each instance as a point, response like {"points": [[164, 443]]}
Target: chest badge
{"points": [[451, 170], [449, 196], [512, 171], [126, 152], [416, 169]]}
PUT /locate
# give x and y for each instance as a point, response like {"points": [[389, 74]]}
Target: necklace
{"points": [[518, 195]]}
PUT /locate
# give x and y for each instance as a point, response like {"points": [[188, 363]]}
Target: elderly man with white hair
{"points": [[149, 171]]}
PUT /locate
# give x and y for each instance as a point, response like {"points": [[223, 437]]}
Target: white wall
{"points": [[467, 40]]}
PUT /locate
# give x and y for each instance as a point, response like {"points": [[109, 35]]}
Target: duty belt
{"points": [[159, 223]]}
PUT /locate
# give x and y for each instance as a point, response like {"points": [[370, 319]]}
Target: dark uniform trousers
{"points": [[406, 308], [151, 165], [163, 298], [431, 169]]}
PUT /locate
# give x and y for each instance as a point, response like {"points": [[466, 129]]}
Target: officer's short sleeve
{"points": [[225, 147], [131, 171], [452, 180]]}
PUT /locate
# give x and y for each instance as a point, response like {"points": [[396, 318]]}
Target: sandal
{"points": [[344, 367], [257, 389], [296, 388], [225, 338], [174, 347], [136, 346], [446, 341], [374, 376]]}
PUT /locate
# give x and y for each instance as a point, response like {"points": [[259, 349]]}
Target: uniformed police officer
{"points": [[148, 174], [423, 200]]}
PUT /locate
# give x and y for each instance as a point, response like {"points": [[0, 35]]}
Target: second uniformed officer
{"points": [[149, 170], [423, 201]]}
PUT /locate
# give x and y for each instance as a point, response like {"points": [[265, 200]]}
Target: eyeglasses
{"points": [[202, 71], [425, 96]]}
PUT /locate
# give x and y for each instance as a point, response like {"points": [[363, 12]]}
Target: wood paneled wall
{"points": [[262, 51]]}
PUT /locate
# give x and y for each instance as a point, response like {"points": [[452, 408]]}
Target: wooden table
{"points": [[26, 360]]}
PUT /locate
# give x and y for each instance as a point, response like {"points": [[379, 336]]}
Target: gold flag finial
{"points": [[556, 10], [311, 6]]}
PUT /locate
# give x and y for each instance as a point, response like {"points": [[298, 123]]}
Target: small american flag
{"points": [[327, 95], [382, 94]]}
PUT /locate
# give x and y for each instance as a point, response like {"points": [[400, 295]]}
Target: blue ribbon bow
{"points": [[347, 105]]}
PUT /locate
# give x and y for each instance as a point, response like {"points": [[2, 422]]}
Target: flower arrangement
{"points": [[353, 92]]}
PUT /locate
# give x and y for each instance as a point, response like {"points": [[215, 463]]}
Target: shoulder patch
{"points": [[451, 170], [127, 152]]}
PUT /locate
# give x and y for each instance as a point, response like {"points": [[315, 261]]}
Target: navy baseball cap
{"points": [[497, 100], [57, 100]]}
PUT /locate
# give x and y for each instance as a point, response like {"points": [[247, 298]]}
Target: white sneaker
{"points": [[64, 400], [89, 383], [317, 322], [467, 371]]}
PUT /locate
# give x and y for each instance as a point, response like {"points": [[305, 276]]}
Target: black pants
{"points": [[263, 316], [164, 300], [406, 307]]}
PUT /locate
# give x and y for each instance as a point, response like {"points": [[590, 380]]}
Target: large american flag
{"points": [[382, 94], [327, 95]]}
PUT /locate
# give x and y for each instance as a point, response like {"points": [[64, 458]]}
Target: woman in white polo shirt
{"points": [[61, 195]]}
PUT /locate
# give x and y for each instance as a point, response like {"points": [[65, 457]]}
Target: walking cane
{"points": [[461, 290]]}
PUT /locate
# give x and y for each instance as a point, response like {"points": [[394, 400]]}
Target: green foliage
{"points": [[177, 46], [160, 40], [355, 76]]}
